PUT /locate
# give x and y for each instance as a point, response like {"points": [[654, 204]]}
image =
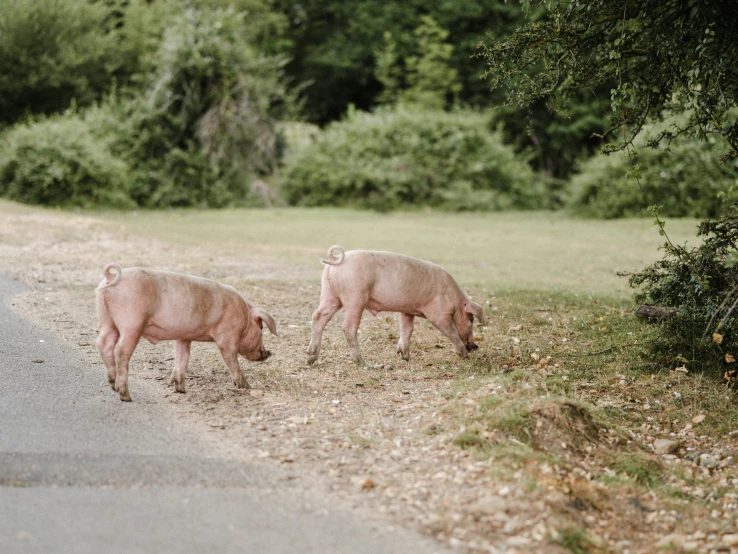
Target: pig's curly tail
{"points": [[334, 260], [109, 274]]}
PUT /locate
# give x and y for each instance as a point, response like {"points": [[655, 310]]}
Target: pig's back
{"points": [[396, 282], [173, 305]]}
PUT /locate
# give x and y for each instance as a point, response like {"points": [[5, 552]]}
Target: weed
{"points": [[575, 540], [434, 430], [364, 442], [469, 438], [644, 469]]}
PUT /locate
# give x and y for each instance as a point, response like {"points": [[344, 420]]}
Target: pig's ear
{"points": [[474, 309], [260, 315]]}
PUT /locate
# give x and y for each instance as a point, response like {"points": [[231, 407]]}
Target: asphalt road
{"points": [[81, 471]]}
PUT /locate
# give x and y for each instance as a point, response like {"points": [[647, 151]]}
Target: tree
{"points": [[663, 57], [335, 44], [51, 54], [428, 73], [204, 126], [429, 80]]}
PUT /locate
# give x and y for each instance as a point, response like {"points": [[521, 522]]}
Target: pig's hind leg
{"points": [[329, 305], [351, 321], [123, 351], [106, 346], [181, 357], [406, 331]]}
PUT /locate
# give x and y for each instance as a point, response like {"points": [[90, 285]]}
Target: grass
{"points": [[499, 251]]}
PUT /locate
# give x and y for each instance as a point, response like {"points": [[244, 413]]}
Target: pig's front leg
{"points": [[181, 357], [406, 331], [326, 310], [446, 326], [230, 356]]}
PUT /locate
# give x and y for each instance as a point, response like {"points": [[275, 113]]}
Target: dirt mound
{"points": [[561, 427]]}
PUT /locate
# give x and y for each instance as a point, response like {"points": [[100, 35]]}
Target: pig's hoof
{"points": [[179, 387], [125, 396], [471, 347], [311, 358], [242, 384]]}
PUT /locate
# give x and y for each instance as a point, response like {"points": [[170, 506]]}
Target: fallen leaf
{"points": [[698, 419], [368, 484], [729, 358], [535, 356], [717, 338], [682, 369]]}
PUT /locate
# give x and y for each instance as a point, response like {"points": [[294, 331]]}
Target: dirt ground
{"points": [[379, 436]]}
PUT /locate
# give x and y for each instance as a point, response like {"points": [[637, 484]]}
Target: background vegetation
{"points": [[196, 104], [190, 102]]}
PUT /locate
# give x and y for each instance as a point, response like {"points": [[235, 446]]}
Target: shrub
{"points": [[203, 127], [686, 180], [59, 162], [411, 157], [52, 53], [702, 284]]}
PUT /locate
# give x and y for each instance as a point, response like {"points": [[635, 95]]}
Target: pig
{"points": [[161, 305], [377, 281]]}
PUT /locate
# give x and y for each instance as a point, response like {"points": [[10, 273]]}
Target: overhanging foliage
{"points": [[662, 56]]}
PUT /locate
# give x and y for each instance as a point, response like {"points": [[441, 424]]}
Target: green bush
{"points": [[702, 284], [53, 53], [200, 131], [59, 162], [203, 128], [686, 180], [412, 157]]}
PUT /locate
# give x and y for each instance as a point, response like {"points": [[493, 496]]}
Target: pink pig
{"points": [[161, 305], [361, 280]]}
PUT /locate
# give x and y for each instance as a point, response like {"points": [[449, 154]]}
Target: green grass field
{"points": [[495, 251]]}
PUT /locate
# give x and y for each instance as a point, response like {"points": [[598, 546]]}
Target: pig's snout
{"points": [[264, 355], [470, 347]]}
